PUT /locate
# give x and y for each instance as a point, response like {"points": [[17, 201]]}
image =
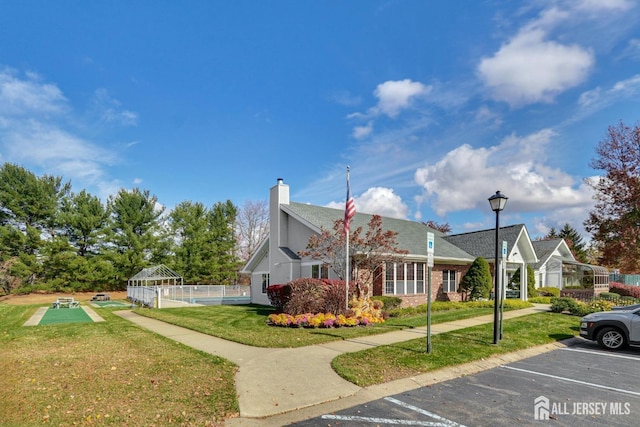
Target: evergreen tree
{"points": [[83, 220], [135, 236], [477, 282], [573, 240]]}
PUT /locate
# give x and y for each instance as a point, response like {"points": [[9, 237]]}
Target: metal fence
{"points": [[176, 296], [625, 279], [143, 295]]}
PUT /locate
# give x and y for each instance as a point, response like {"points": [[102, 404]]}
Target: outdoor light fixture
{"points": [[498, 201]]}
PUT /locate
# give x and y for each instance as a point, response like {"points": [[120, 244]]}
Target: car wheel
{"points": [[612, 339]]}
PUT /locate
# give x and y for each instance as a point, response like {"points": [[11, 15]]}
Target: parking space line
{"points": [[633, 393], [600, 353], [423, 412], [387, 421], [439, 421]]}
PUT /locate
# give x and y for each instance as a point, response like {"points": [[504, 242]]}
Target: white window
{"points": [[449, 281], [404, 279], [265, 282]]}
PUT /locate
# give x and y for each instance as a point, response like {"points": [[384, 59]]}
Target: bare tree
{"points": [[252, 227]]}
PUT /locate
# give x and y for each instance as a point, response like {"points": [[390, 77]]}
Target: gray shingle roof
{"points": [[412, 236], [482, 243], [544, 249]]}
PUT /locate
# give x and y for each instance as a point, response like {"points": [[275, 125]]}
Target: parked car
{"points": [[613, 330], [100, 297], [626, 307]]}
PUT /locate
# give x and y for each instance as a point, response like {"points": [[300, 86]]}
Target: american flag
{"points": [[349, 209]]}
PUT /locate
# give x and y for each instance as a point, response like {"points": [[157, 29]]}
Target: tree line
{"points": [[54, 239]]}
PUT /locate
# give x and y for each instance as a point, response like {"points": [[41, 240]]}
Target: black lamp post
{"points": [[497, 202]]}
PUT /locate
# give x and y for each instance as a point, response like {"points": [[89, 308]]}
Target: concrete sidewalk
{"points": [[277, 386]]}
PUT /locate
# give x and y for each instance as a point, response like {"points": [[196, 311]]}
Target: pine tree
{"points": [[477, 282]]}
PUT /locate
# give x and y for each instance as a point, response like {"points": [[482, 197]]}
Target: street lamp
{"points": [[497, 202]]}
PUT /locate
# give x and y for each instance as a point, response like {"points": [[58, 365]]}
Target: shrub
{"points": [[609, 296], [319, 320], [279, 296], [306, 296], [560, 305], [389, 303], [333, 297], [625, 290], [600, 305], [548, 291], [540, 300], [477, 282]]}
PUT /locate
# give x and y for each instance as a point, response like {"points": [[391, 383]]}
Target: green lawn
{"points": [[110, 372], [114, 372], [248, 324], [409, 358]]}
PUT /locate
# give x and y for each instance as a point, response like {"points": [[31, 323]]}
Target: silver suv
{"points": [[613, 330]]}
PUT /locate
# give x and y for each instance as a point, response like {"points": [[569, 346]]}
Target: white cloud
{"points": [[28, 95], [109, 109], [38, 130], [380, 201], [530, 69], [599, 98], [54, 149], [465, 177], [598, 6], [363, 131], [395, 96]]}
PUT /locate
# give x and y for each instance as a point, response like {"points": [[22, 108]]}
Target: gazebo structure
{"points": [[148, 283]]}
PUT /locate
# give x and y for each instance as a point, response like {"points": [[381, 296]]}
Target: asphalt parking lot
{"points": [[578, 385]]}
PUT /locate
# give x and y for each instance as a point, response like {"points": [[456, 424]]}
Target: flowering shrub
{"points": [[320, 320]]}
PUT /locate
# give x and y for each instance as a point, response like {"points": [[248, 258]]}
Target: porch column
{"points": [[523, 282]]}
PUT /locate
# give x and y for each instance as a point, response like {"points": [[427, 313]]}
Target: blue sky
{"points": [[434, 105]]}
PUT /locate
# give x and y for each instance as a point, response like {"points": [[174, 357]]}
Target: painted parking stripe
{"points": [[388, 421], [571, 380], [423, 412], [600, 353], [440, 421]]}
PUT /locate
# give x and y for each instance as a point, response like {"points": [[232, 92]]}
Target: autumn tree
{"points": [[369, 249], [615, 220], [443, 228]]}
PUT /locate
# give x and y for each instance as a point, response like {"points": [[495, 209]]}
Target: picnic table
{"points": [[65, 303]]}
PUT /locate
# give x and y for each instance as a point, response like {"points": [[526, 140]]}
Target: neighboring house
{"points": [[558, 268], [520, 251], [292, 224]]}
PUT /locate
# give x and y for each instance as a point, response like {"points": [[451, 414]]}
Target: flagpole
{"points": [[346, 230]]}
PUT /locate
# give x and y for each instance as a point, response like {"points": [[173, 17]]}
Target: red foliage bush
{"points": [[306, 296], [279, 296], [309, 295], [625, 290]]}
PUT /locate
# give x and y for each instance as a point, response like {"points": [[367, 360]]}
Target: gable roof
{"points": [[412, 236], [482, 243], [546, 248]]}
